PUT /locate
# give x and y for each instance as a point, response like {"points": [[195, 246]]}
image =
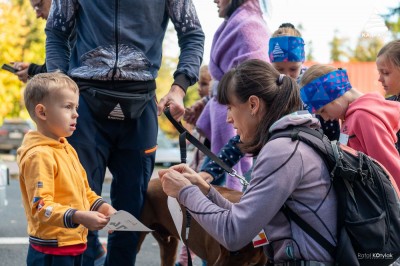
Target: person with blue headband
{"points": [[287, 55], [369, 122], [286, 51]]}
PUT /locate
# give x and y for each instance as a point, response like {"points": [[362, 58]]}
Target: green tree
{"points": [[338, 52], [25, 41], [392, 21], [22, 41], [310, 50], [367, 49]]}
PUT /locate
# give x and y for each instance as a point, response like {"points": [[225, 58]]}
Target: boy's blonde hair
{"points": [[40, 87], [204, 70], [391, 52]]}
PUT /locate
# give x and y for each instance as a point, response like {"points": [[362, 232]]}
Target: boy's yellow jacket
{"points": [[54, 186]]}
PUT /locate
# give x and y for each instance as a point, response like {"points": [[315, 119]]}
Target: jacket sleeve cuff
{"points": [[35, 69], [96, 205], [182, 81], [68, 219]]}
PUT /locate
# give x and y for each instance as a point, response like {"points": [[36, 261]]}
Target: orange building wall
{"points": [[363, 75]]}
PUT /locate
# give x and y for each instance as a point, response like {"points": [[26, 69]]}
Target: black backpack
{"points": [[368, 205]]}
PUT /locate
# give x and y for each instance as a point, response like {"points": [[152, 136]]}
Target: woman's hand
{"points": [[206, 176], [186, 172], [172, 181]]}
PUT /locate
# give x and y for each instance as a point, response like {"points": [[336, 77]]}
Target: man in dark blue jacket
{"points": [[115, 61]]}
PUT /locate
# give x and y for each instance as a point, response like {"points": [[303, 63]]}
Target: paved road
{"points": [[13, 237]]}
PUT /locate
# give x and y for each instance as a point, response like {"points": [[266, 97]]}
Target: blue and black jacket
{"points": [[121, 40]]}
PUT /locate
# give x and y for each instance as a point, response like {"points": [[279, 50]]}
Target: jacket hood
{"points": [[375, 104], [299, 118], [33, 139]]}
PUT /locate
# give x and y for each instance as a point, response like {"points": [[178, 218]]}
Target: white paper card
{"points": [[124, 221], [176, 214]]}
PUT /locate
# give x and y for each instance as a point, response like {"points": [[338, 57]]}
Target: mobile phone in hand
{"points": [[9, 68]]}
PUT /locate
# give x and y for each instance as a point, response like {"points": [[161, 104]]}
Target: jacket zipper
{"points": [[76, 168]]}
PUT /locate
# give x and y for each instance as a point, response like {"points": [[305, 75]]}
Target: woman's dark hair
{"points": [[259, 78], [233, 6]]}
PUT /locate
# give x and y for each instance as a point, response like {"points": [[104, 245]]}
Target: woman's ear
{"points": [[254, 103], [40, 111]]}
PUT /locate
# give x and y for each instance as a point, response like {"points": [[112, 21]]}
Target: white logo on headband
{"points": [[277, 52]]}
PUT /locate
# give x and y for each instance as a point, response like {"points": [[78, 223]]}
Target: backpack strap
{"points": [[313, 138], [320, 239], [322, 145]]}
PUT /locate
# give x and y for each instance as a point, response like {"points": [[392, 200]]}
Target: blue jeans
{"points": [[121, 146], [36, 258]]}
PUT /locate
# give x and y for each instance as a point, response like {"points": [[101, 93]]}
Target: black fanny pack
{"points": [[116, 105]]}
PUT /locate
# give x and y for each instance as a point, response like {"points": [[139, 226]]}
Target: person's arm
{"points": [[90, 219], [181, 175], [59, 27], [97, 204], [28, 70], [330, 128], [23, 70], [273, 181], [191, 43], [230, 154], [35, 69], [96, 201], [190, 39], [39, 171], [193, 112]]}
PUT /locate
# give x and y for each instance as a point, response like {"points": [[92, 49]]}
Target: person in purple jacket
{"points": [[260, 101], [242, 35]]}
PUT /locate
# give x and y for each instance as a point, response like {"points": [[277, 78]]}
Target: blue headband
{"points": [[324, 90], [286, 49]]}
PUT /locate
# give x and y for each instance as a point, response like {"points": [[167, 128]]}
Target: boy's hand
{"points": [[92, 220], [106, 209], [192, 113]]}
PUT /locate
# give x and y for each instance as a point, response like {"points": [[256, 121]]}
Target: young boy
{"points": [[59, 205], [369, 122], [193, 112]]}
